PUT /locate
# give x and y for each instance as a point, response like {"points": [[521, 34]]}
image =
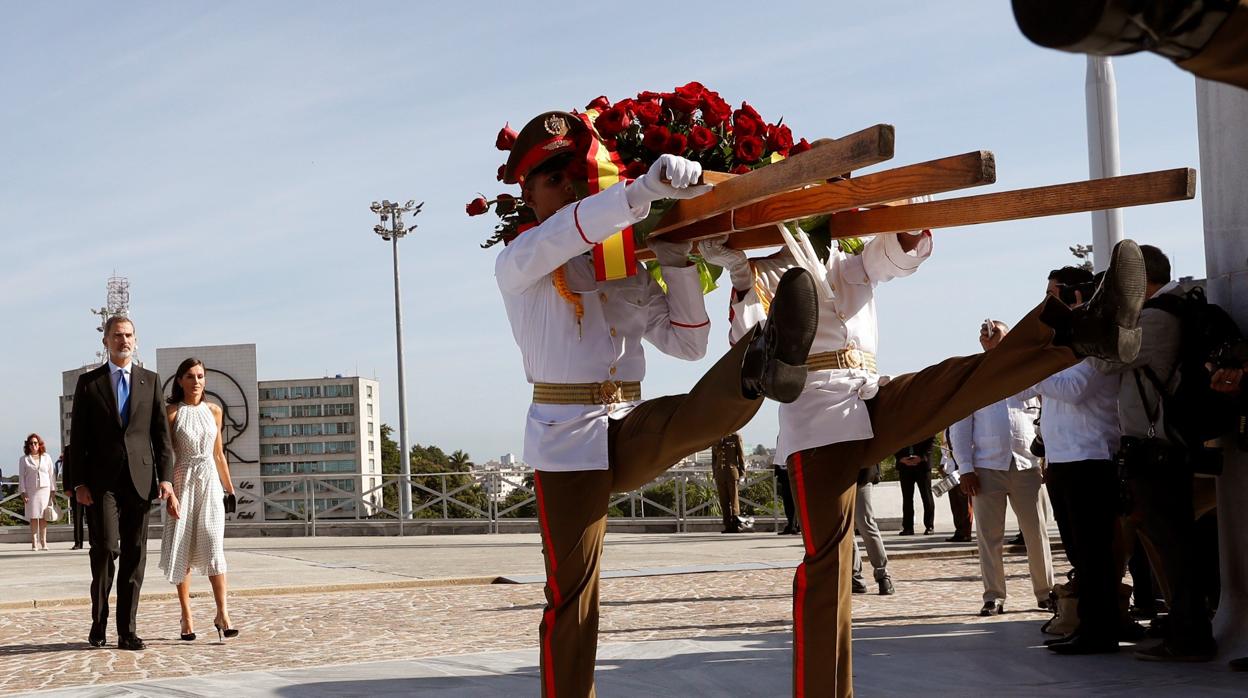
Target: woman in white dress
{"points": [[195, 541], [37, 483]]}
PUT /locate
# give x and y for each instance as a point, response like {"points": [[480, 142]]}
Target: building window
{"points": [[371, 449], [370, 428], [303, 392], [275, 469], [306, 411], [339, 447], [339, 391], [370, 409], [274, 393], [269, 431], [275, 449], [369, 392], [372, 465], [275, 412], [345, 409], [312, 449]]}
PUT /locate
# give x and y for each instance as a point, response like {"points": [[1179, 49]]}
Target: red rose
{"points": [[477, 206], [741, 169], [675, 144], [626, 104], [751, 112], [501, 170], [648, 113], [600, 103], [635, 169], [749, 149], [612, 121], [743, 126], [506, 138], [701, 138], [779, 138], [799, 147], [654, 138], [692, 91], [504, 204], [650, 96], [715, 110], [680, 104]]}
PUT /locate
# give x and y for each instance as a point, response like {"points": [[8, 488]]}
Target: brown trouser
{"points": [[572, 510], [726, 477], [1225, 57], [906, 410]]}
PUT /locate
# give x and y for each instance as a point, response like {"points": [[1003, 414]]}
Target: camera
{"points": [[1066, 292], [1232, 354]]}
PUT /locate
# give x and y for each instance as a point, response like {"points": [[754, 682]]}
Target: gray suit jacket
{"points": [[1159, 349]]}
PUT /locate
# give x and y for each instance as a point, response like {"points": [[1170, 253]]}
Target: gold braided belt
{"points": [[604, 393], [842, 358]]}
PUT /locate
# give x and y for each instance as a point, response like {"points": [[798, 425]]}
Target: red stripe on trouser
{"points": [[548, 653], [799, 596]]}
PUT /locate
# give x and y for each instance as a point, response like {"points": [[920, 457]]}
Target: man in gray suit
{"points": [[120, 456]]}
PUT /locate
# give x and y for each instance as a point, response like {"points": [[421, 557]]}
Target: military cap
{"points": [[544, 137]]}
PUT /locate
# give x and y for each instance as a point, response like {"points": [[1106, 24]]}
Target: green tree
{"points": [[428, 463]]}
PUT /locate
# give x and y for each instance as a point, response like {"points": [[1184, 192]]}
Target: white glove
{"points": [[681, 175], [714, 251], [670, 254]]}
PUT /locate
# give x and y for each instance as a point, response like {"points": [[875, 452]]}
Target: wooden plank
{"points": [[1055, 200], [828, 159], [1076, 197], [933, 177]]}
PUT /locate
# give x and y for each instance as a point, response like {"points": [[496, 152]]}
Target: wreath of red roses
{"points": [[691, 121]]}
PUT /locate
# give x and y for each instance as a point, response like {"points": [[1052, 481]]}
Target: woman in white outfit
{"points": [[37, 484], [201, 476]]}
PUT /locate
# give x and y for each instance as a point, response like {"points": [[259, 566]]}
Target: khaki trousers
{"points": [[726, 477], [907, 410], [1023, 490], [572, 510]]}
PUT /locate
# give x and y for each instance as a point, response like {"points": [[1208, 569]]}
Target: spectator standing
{"points": [[76, 510], [37, 483], [864, 521], [727, 467], [993, 450], [914, 468], [784, 488], [959, 501], [1162, 494]]}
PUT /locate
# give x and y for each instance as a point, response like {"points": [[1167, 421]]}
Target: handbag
{"points": [[50, 513], [231, 503]]}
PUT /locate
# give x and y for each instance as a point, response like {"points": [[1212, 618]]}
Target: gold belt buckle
{"points": [[853, 358], [610, 392]]}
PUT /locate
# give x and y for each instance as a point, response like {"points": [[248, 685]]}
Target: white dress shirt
{"points": [[1079, 414], [996, 436], [607, 343], [831, 409]]}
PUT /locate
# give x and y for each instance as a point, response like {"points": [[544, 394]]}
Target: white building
{"points": [[326, 428], [501, 477]]}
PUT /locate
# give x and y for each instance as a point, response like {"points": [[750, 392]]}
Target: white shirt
{"points": [[831, 409], [996, 436], [607, 343], [1079, 414]]}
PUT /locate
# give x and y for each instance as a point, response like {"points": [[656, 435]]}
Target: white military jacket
{"points": [[607, 343], [831, 408]]}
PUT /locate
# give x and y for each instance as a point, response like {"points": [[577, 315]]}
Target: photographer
{"points": [[1159, 480]]}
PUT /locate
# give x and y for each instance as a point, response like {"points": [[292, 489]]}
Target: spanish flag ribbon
{"points": [[614, 258]]}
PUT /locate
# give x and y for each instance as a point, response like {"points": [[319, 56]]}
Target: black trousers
{"points": [[911, 476], [1164, 516], [784, 487], [1085, 493], [118, 534], [77, 512]]}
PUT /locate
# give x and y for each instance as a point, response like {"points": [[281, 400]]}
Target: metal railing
{"points": [[498, 498]]}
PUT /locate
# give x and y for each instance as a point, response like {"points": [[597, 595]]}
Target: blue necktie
{"points": [[123, 399]]}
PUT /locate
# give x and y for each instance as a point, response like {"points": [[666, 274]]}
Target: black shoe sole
{"points": [[1108, 325], [776, 366]]}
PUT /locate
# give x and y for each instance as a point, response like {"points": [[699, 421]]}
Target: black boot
{"points": [[1107, 326], [775, 362], [1176, 29]]}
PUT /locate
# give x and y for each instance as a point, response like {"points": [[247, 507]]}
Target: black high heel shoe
{"points": [[187, 636], [223, 632]]}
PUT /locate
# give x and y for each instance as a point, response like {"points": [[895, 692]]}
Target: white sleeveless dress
{"points": [[196, 541]]}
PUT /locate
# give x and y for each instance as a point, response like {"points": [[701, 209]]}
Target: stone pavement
{"points": [[709, 633]]}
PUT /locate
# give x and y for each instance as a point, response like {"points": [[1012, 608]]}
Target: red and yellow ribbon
{"points": [[614, 258]]}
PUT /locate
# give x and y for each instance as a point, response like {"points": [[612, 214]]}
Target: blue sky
{"points": [[223, 157]]}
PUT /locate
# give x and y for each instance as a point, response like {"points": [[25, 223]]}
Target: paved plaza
{"points": [[683, 614]]}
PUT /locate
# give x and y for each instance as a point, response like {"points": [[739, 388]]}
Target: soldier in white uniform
{"points": [[850, 416], [588, 432]]}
